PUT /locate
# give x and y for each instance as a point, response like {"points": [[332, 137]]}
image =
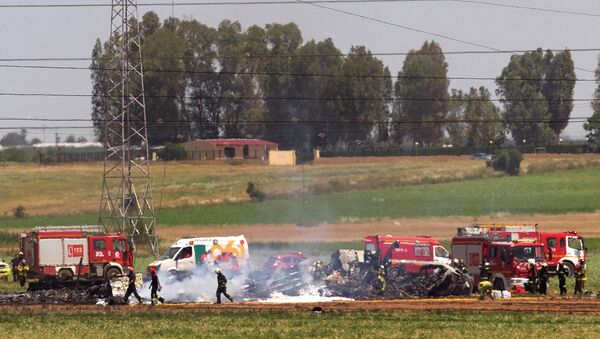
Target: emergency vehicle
{"points": [[409, 253], [565, 247], [191, 253], [68, 251], [508, 258]]}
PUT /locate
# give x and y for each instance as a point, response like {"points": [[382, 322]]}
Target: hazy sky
{"points": [[71, 32]]}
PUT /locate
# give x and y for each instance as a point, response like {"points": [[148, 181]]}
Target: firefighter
{"points": [[15, 263], [22, 270], [532, 276], [580, 277], [221, 286], [463, 268], [562, 277], [543, 279], [485, 290], [484, 270], [155, 287], [381, 284], [317, 270], [131, 287]]}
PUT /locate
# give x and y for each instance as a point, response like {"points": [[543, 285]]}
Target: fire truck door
{"points": [[504, 257], [100, 249], [119, 251], [550, 248], [493, 258]]}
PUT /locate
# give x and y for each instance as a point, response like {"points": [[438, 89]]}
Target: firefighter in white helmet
{"points": [[484, 270], [221, 286]]}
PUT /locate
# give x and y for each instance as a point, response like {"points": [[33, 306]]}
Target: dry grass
{"points": [[75, 188]]}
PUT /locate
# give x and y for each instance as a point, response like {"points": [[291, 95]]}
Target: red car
{"points": [[282, 262]]}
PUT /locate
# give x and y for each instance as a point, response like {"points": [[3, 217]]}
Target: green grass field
{"points": [[547, 193], [296, 324]]}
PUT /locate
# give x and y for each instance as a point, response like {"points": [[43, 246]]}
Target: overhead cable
{"points": [[259, 98]]}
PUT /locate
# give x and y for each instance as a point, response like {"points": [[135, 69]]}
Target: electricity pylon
{"points": [[126, 205]]}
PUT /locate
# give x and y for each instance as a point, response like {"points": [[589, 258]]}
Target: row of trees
{"points": [[265, 82], [20, 139]]}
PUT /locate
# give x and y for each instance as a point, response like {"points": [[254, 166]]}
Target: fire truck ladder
{"points": [[126, 205]]}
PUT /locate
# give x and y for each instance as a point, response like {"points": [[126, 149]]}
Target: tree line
{"points": [[267, 82]]}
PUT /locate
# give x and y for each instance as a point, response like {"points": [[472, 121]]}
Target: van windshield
{"points": [[523, 253], [170, 253], [441, 252]]}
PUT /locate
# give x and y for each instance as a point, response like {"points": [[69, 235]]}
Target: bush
{"points": [[508, 161], [254, 193], [172, 152], [19, 212], [48, 155], [15, 155]]}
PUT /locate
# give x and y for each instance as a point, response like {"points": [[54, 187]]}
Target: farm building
{"points": [[219, 149]]}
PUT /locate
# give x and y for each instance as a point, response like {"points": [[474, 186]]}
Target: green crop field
{"points": [[546, 193], [74, 189], [143, 322]]}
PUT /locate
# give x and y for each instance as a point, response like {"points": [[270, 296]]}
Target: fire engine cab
{"points": [[509, 258], [565, 247], [410, 253], [68, 251]]}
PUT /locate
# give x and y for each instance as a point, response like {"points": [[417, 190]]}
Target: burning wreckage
{"points": [[353, 275], [386, 269]]}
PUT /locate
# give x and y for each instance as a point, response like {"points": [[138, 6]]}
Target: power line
{"points": [[396, 25], [329, 125], [309, 121], [207, 3], [340, 75], [547, 10], [316, 3], [74, 95], [273, 56], [291, 2], [585, 70]]}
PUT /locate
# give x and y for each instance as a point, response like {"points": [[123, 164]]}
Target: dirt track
{"points": [[587, 224], [411, 305]]}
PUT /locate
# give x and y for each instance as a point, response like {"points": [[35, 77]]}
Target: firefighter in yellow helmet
{"points": [[485, 290], [381, 283], [22, 270], [580, 277]]}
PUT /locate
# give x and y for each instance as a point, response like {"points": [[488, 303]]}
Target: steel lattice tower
{"points": [[126, 205]]}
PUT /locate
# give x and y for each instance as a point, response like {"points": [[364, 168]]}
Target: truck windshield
{"points": [[170, 253], [575, 243], [523, 253]]}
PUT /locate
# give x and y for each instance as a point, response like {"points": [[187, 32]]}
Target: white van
{"points": [[230, 253]]}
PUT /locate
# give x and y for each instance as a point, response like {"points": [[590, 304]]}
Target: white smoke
{"points": [[199, 286]]}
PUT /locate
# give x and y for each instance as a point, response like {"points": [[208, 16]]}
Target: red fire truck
{"points": [[509, 258], [69, 251], [565, 247], [409, 252]]}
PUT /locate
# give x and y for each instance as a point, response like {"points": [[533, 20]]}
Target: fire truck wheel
{"points": [[570, 269], [395, 272], [499, 284], [65, 274], [112, 272]]}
